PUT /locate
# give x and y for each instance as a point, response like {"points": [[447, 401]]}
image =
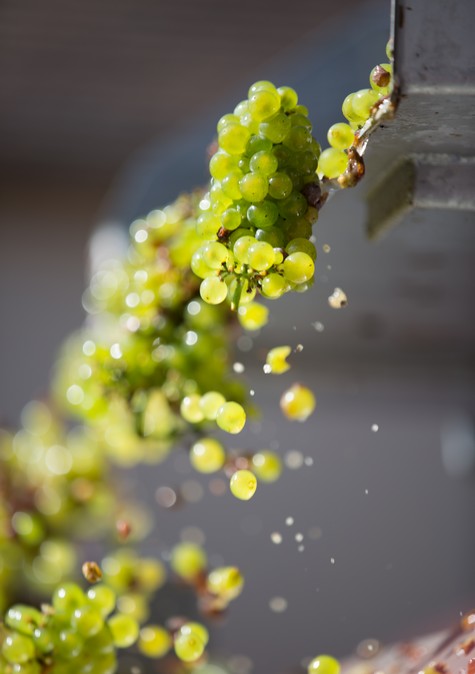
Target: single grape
{"points": [[207, 455], [243, 485], [124, 630], [280, 185], [233, 138], [188, 647], [341, 136], [363, 101], [276, 360], [18, 648], [298, 267], [231, 417], [43, 640], [190, 409], [301, 245], [253, 316], [221, 164], [225, 582], [273, 286], [263, 103], [288, 98], [87, 620], [332, 163], [188, 560], [263, 215], [154, 641], [267, 466], [297, 403], [24, 619], [102, 598], [197, 629], [68, 597], [253, 187], [213, 290], [261, 255], [241, 248], [210, 403], [263, 162], [276, 128], [324, 664], [214, 254], [226, 120]]}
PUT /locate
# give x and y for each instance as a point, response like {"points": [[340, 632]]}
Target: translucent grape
{"points": [[154, 641], [297, 403], [124, 630], [197, 629], [273, 235], [263, 103], [324, 664], [298, 138], [261, 255], [188, 560], [43, 639], [332, 163], [261, 84], [298, 267], [341, 136], [199, 266], [210, 403], [188, 647], [87, 621], [226, 120], [349, 112], [363, 101], [18, 648], [276, 359], [231, 417], [288, 98], [233, 138], [23, 619], [190, 409], [276, 128], [253, 316], [213, 290], [263, 215], [243, 485], [380, 78], [207, 455], [221, 164], [68, 597], [231, 219], [214, 254], [208, 224], [230, 185], [226, 582], [280, 185], [102, 598], [263, 162], [253, 187], [241, 248], [273, 286], [302, 245], [267, 466]]}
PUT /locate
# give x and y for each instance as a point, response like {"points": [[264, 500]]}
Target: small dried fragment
{"points": [[91, 572], [338, 299], [124, 529]]}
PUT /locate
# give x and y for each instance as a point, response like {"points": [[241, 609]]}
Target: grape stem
{"points": [[236, 296]]}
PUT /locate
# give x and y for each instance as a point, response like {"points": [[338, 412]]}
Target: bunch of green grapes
{"points": [[357, 108], [140, 373], [53, 484], [257, 216]]}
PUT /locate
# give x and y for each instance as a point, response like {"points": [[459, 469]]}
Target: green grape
{"points": [[188, 560], [261, 84], [276, 360], [27, 668], [253, 316], [154, 641], [207, 455], [134, 605], [301, 245], [221, 164], [188, 647], [332, 163], [210, 403], [263, 103], [241, 248], [288, 98], [102, 598], [101, 643], [230, 185], [87, 621], [199, 266], [258, 144], [293, 206], [363, 101], [214, 254], [28, 526], [43, 639], [150, 574], [243, 485], [18, 648], [280, 185], [324, 664], [68, 597], [68, 644], [298, 267], [233, 139], [341, 136], [231, 219], [190, 409], [298, 138], [390, 49], [207, 225], [226, 120], [197, 629], [273, 235], [23, 619], [273, 286], [263, 162], [231, 417], [297, 403], [260, 255], [349, 112], [276, 128], [213, 290], [124, 630], [253, 187], [267, 466], [225, 582]]}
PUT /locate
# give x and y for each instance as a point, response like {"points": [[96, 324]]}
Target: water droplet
{"points": [[308, 461], [314, 533], [319, 327], [375, 428], [299, 537], [366, 491], [165, 497], [289, 521], [338, 299], [299, 348], [332, 560], [293, 459], [267, 368], [252, 393], [276, 537], [238, 368], [301, 548], [278, 604], [326, 248]]}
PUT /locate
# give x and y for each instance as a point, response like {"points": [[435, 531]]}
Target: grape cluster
{"points": [[256, 219], [357, 108]]}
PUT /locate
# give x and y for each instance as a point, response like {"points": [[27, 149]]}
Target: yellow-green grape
{"points": [[124, 629], [233, 138], [199, 266], [102, 598], [390, 49], [298, 267], [23, 619], [301, 245], [87, 621], [210, 403], [243, 485], [276, 360], [225, 582], [273, 286], [288, 97], [341, 136], [380, 78], [215, 254], [28, 527], [221, 164], [231, 417], [363, 101], [68, 597], [261, 255], [135, 605], [150, 574], [241, 248], [349, 112], [280, 185], [154, 641], [207, 455], [297, 403], [18, 648], [253, 187], [267, 466], [188, 647], [190, 409], [332, 163], [188, 560], [263, 103], [197, 629], [226, 120], [253, 316], [263, 162], [213, 290], [324, 664]]}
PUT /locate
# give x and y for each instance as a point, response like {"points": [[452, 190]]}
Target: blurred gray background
{"points": [[106, 110]]}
